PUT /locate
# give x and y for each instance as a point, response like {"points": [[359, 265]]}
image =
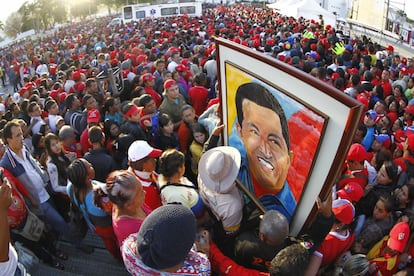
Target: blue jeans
{"points": [[53, 218]]}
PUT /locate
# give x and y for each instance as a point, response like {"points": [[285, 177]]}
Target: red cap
{"points": [[399, 235], [185, 61], [352, 192], [76, 76], [400, 136], [112, 55], [404, 71], [410, 141], [114, 62], [80, 86], [30, 84], [54, 94], [335, 76], [409, 109], [169, 83], [343, 210], [353, 71], [93, 116], [181, 68], [62, 97], [141, 58], [356, 153], [147, 77], [390, 48]]}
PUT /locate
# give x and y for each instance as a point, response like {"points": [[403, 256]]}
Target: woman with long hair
{"points": [[111, 130], [386, 180], [57, 164], [174, 186], [80, 190]]}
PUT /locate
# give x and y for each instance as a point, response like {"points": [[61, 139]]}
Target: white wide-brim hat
{"points": [[218, 168]]}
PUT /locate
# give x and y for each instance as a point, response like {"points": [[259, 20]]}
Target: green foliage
{"points": [[83, 9], [13, 25]]}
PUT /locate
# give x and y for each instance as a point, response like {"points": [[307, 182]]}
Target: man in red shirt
{"points": [[385, 82], [198, 94], [189, 119], [356, 170]]}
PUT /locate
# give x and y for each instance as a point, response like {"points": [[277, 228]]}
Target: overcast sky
{"points": [[14, 5]]}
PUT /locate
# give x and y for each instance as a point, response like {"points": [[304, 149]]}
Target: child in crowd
{"points": [[174, 186], [142, 160], [377, 226]]}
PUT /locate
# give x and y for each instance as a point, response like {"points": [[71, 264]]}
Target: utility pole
{"points": [[386, 15]]}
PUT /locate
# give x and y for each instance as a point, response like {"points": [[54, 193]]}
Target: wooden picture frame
{"points": [[320, 118]]}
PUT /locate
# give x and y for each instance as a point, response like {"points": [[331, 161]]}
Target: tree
{"points": [[83, 9], [27, 17], [110, 4], [13, 25]]}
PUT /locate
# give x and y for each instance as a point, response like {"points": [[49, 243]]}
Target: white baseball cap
{"points": [[141, 149]]}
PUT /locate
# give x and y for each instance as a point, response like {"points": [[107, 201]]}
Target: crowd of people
{"points": [[117, 130]]}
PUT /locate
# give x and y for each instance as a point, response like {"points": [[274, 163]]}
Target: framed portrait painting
{"points": [[292, 130]]}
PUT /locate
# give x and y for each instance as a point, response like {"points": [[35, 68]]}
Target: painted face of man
{"points": [[267, 152]]}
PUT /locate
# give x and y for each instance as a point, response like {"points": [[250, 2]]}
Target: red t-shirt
{"points": [[184, 136], [386, 86], [84, 141], [333, 246], [152, 194], [198, 96]]}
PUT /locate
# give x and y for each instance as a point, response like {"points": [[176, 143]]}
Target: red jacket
{"points": [[223, 265]]}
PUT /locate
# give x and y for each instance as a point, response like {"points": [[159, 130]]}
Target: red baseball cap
{"points": [[181, 68], [352, 192], [356, 153], [169, 83], [400, 136], [390, 48], [76, 75], [409, 109], [93, 116], [399, 235], [54, 94], [343, 210], [147, 77], [353, 71]]}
